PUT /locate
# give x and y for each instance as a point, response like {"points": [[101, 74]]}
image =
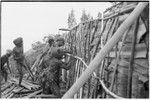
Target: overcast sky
{"points": [[34, 20]]}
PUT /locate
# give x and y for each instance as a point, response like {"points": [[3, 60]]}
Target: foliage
{"points": [[71, 19], [99, 15], [85, 17], [89, 16]]}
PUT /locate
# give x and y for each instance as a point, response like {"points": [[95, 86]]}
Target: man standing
{"points": [[19, 58], [60, 44]]}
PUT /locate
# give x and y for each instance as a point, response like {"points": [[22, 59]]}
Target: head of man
{"points": [[50, 40], [18, 41], [60, 42]]}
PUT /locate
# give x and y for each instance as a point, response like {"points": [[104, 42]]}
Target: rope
{"points": [[95, 76]]}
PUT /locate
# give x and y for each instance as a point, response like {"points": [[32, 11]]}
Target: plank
{"points": [[7, 92], [33, 94], [14, 80], [5, 87]]}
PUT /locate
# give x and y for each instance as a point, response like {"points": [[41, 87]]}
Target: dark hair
{"points": [[18, 41], [50, 40]]}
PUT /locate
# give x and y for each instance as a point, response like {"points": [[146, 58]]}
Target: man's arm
{"points": [[65, 65], [8, 66]]}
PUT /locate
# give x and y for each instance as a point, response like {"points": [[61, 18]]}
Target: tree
{"points": [[89, 17], [36, 45], [99, 15], [71, 20], [84, 16]]}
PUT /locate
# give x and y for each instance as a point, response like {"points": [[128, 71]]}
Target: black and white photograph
{"points": [[74, 49]]}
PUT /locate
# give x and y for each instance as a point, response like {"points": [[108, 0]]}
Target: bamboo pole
{"points": [[130, 71], [117, 61], [109, 34], [81, 89], [97, 72], [109, 92], [89, 59], [107, 48], [76, 76]]}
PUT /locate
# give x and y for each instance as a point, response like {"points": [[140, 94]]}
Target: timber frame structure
{"points": [[112, 57], [116, 51]]}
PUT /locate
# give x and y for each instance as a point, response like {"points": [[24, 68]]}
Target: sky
{"points": [[34, 20]]}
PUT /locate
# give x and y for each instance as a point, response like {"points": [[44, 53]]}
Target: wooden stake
{"points": [[130, 71], [117, 60]]}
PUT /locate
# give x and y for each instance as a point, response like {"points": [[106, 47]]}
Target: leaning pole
{"points": [[105, 50]]}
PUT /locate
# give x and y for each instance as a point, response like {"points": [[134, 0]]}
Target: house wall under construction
{"points": [[125, 70]]}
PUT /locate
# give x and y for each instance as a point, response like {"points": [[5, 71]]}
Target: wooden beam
{"points": [[64, 29]]}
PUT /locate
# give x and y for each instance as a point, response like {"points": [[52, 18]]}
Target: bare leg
{"points": [[19, 67]]}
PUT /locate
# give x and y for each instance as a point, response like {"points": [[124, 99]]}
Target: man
{"points": [[50, 68], [60, 42], [19, 58], [4, 60], [50, 75], [61, 50]]}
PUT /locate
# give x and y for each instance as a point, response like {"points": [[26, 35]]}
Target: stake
{"points": [[107, 48], [117, 61], [130, 71]]}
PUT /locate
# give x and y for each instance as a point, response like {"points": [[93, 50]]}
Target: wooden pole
{"points": [[107, 48], [117, 61], [130, 71]]}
